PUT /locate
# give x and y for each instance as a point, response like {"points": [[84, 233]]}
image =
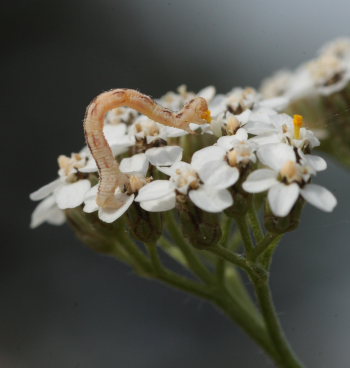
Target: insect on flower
{"points": [[196, 111]]}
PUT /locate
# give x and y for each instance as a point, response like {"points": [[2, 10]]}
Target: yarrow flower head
{"points": [[162, 165]]}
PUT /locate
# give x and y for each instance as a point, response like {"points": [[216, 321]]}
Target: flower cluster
{"points": [[328, 73], [249, 147]]}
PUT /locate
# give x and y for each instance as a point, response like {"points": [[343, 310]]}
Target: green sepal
{"points": [[145, 226], [201, 228], [281, 225], [241, 198]]}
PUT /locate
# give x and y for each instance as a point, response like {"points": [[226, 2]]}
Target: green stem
{"points": [[245, 233], [163, 274], [266, 256], [184, 284], [138, 256], [173, 251], [251, 326], [238, 290], [234, 258], [220, 264], [236, 241], [264, 244], [255, 222], [287, 356], [157, 265], [193, 262]]}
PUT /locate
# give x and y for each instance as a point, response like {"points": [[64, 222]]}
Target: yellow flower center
{"points": [[232, 125], [298, 123], [290, 171]]}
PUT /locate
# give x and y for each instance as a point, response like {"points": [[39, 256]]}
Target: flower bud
{"points": [[241, 197], [281, 225], [145, 226], [201, 228]]}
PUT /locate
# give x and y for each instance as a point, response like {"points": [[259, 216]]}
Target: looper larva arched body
{"points": [[196, 111]]}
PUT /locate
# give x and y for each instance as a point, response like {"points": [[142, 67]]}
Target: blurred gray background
{"points": [[61, 305]]}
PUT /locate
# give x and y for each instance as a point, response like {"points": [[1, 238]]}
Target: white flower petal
{"points": [[90, 205], [207, 154], [211, 200], [164, 156], [216, 126], [134, 164], [202, 128], [319, 197], [208, 93], [244, 116], [110, 215], [218, 174], [155, 190], [122, 141], [227, 142], [282, 198], [267, 138], [172, 132], [90, 166], [47, 211], [46, 190], [165, 203], [165, 170], [71, 195], [276, 155], [276, 103], [90, 200], [317, 162], [55, 217], [172, 170], [218, 105], [114, 131], [258, 127], [241, 134], [260, 180]]}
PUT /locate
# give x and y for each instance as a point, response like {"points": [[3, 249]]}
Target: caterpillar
{"points": [[196, 111]]}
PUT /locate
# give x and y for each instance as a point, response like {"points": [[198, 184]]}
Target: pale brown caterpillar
{"points": [[196, 111]]}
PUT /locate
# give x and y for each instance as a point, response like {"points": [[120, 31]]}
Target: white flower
{"points": [[229, 123], [329, 74], [67, 191], [121, 115], [282, 128], [176, 101], [204, 183], [136, 167], [108, 215], [286, 179], [340, 48], [277, 84], [301, 84], [229, 120], [230, 152], [47, 211], [146, 129]]}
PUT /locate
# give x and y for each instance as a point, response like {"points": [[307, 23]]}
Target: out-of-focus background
{"points": [[61, 305]]}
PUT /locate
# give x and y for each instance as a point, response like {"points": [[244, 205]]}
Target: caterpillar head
{"points": [[196, 111]]}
